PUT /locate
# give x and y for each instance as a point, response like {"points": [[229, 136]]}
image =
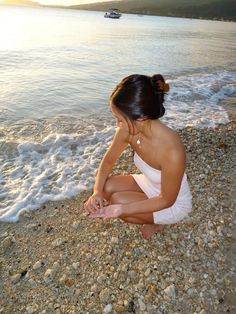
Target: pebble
{"points": [[37, 265], [119, 308], [94, 288], [75, 266], [7, 243], [76, 225], [114, 240], [33, 226], [170, 291], [58, 242], [32, 308], [161, 258], [107, 309], [174, 236], [147, 272], [104, 295], [63, 279], [55, 266], [142, 305], [49, 275], [31, 282], [15, 278], [101, 278]]}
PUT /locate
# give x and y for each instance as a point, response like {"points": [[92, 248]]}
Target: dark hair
{"points": [[138, 96]]}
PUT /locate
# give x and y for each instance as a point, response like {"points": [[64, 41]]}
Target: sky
{"points": [[68, 2]]}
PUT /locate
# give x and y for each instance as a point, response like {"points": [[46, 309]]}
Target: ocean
{"points": [[57, 70]]}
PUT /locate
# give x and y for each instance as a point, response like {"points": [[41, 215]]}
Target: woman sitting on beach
{"points": [[161, 194]]}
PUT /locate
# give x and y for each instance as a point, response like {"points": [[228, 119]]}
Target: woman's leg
{"points": [[120, 183], [146, 220]]}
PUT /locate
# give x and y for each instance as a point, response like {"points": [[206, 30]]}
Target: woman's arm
{"points": [[118, 145]]}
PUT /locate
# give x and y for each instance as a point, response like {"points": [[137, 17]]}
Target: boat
{"points": [[113, 14]]}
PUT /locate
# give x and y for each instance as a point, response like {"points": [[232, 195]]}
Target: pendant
{"points": [[138, 142]]}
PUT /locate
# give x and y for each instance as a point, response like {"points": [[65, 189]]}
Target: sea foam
{"points": [[61, 166]]}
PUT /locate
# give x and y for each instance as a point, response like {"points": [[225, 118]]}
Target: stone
{"points": [[32, 308], [33, 226], [76, 225], [7, 243], [15, 278], [107, 309], [63, 279], [161, 258], [49, 275], [94, 288], [37, 265], [114, 240], [142, 305], [58, 242], [147, 272], [55, 266], [75, 266], [31, 282], [104, 295], [101, 278], [170, 291]]}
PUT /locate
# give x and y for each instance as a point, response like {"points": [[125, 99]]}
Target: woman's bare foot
{"points": [[148, 230]]}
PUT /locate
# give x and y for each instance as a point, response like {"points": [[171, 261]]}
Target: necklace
{"points": [[139, 138]]}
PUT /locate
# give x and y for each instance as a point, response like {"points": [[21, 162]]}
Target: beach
{"points": [[56, 260], [58, 68]]}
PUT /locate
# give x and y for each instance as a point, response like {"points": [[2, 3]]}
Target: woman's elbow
{"points": [[169, 202]]}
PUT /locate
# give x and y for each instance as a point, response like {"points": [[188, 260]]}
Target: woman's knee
{"points": [[109, 186], [116, 198]]}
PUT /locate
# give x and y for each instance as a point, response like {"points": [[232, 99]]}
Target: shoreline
{"points": [[124, 12], [55, 259]]}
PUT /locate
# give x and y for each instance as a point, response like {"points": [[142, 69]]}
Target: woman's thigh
{"points": [[120, 183]]}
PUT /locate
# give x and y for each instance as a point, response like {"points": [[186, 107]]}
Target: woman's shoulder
{"points": [[171, 143], [168, 135]]}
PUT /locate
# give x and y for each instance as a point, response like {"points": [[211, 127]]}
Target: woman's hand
{"points": [[95, 201], [111, 211]]}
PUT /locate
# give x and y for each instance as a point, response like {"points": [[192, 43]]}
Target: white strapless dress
{"points": [[150, 183]]}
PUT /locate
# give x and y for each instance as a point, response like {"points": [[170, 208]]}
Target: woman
{"points": [[161, 194]]}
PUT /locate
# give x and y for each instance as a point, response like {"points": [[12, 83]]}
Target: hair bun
{"points": [[159, 82], [166, 87], [163, 86]]}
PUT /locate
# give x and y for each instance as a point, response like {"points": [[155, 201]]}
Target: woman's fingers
{"points": [[98, 213], [101, 203], [94, 203]]}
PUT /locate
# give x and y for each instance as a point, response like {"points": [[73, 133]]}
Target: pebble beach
{"points": [[56, 260]]}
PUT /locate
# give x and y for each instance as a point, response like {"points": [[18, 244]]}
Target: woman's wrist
{"points": [[97, 192]]}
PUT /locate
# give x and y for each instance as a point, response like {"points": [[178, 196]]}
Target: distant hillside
{"points": [[207, 9], [20, 2]]}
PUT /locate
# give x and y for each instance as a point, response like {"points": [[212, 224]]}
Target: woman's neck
{"points": [[146, 127]]}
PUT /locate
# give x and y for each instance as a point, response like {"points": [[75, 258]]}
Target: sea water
{"points": [[57, 70]]}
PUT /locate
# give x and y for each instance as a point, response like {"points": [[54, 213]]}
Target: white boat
{"points": [[113, 14]]}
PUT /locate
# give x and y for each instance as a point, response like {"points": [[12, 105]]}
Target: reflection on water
{"points": [[58, 61]]}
